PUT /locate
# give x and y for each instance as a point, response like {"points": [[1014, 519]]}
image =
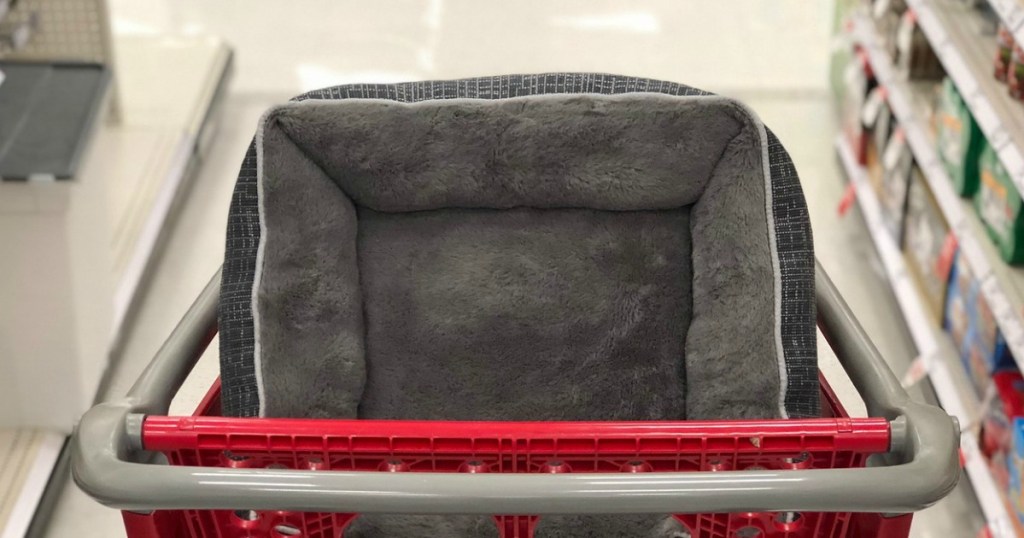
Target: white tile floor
{"points": [[771, 54]]}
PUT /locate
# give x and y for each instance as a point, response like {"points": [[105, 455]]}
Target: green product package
{"points": [[999, 205], [959, 140]]}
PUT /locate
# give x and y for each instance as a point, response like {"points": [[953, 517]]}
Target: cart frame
{"points": [[922, 465]]}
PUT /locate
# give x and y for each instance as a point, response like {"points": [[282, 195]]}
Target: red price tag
{"points": [[849, 197]]}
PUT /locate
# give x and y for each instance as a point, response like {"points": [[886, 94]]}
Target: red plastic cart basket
{"points": [[233, 477]]}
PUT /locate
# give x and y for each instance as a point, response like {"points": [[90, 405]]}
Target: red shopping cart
{"points": [[209, 475]]}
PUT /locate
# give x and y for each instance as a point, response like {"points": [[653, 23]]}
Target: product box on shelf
{"points": [[927, 246], [961, 286], [997, 424], [971, 324], [897, 167], [990, 340], [959, 139], [1015, 469], [915, 58], [876, 122], [982, 363], [999, 206], [859, 81], [973, 358], [1015, 74]]}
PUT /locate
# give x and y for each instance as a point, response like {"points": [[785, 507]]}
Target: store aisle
{"points": [[781, 74]]}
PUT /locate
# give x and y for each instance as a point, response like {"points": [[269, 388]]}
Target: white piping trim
{"points": [[258, 274], [776, 264]]}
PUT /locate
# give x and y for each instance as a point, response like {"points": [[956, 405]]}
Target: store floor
{"points": [[772, 55]]}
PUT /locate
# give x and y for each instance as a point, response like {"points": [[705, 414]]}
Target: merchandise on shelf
{"points": [[884, 125], [996, 427], [970, 323], [982, 362], [926, 245], [1015, 76], [978, 369], [1004, 53], [858, 82], [1015, 468], [897, 167], [959, 139], [915, 58], [961, 285], [999, 206], [877, 123]]}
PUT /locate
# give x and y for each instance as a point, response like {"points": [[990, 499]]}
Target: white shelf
{"points": [[944, 371], [968, 58], [1000, 284]]}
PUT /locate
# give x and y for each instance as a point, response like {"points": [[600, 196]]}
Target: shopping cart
{"points": [[209, 475]]}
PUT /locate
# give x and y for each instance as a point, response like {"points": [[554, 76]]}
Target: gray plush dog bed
{"points": [[556, 247]]}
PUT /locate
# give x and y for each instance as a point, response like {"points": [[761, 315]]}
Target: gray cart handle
{"points": [[922, 466]]}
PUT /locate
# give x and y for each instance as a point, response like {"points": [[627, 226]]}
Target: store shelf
{"points": [[935, 349], [968, 59], [1002, 285]]}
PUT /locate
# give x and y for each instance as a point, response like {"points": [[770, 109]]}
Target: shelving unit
{"points": [[967, 58], [945, 373], [1001, 285]]}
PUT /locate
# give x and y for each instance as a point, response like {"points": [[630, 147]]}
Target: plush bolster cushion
{"points": [[556, 257], [583, 257]]}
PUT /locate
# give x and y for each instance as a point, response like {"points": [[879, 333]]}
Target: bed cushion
{"points": [[576, 257], [536, 247]]}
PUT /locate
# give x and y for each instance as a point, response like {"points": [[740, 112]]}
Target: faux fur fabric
{"points": [[525, 314], [421, 162], [597, 152], [310, 346]]}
